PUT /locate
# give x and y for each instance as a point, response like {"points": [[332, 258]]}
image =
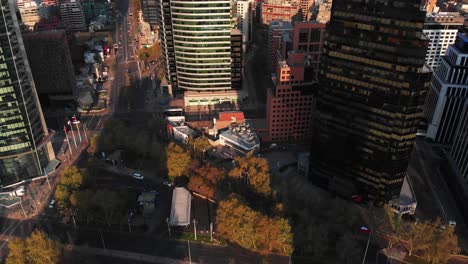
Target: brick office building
{"points": [[290, 100]]}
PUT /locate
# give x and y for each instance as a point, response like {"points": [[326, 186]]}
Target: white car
{"points": [[137, 175], [166, 183], [52, 203]]}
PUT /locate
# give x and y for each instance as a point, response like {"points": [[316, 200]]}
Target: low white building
{"points": [[241, 138], [181, 207], [407, 202]]}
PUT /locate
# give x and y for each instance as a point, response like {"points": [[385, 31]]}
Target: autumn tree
{"points": [[93, 145], [72, 177], [201, 146], [252, 230], [444, 242], [35, 249], [177, 161], [417, 236], [210, 173], [200, 185], [16, 251], [254, 171]]}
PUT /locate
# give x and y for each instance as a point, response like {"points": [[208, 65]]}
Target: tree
{"points": [[210, 173], [443, 243], [177, 161], [252, 230], [254, 171], [72, 177], [417, 236], [35, 249], [93, 145], [41, 249], [85, 204], [16, 251], [109, 202], [201, 145], [199, 185], [62, 194]]}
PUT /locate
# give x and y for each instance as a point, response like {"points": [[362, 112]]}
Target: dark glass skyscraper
{"points": [[25, 147], [373, 84]]}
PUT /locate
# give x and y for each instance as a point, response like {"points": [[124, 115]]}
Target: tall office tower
{"points": [[290, 99], [449, 90], [459, 151], [72, 15], [197, 42], [279, 41], [29, 11], [149, 9], [373, 83], [244, 20], [51, 65], [441, 29], [25, 147]]}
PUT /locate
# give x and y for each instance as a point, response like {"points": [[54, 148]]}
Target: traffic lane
{"points": [[145, 244]]}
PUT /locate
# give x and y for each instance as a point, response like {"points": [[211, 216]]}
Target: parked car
{"points": [[137, 176], [166, 183], [52, 204]]}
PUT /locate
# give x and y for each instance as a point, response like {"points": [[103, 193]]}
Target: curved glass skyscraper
{"points": [[25, 147], [202, 44], [203, 53]]}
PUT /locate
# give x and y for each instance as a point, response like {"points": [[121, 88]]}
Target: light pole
{"points": [[85, 132], [68, 141], [73, 134], [367, 247], [22, 208], [195, 228], [189, 255], [76, 122]]}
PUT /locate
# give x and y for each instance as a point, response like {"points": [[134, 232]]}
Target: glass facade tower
{"points": [[373, 83], [25, 147], [196, 40]]}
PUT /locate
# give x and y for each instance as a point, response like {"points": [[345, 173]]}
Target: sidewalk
{"points": [[123, 254]]}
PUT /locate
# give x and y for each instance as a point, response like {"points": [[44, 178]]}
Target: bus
{"points": [[174, 114]]}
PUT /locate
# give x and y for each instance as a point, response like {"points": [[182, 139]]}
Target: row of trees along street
{"points": [[80, 201], [35, 249]]}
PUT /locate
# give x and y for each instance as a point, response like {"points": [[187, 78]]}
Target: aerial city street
{"points": [[244, 131]]}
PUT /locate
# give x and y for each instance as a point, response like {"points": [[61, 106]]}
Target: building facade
{"points": [[324, 11], [291, 99], [25, 147], [29, 11], [244, 20], [373, 83], [459, 151], [279, 41], [449, 90], [49, 50], [441, 29], [150, 12], [200, 48], [73, 16]]}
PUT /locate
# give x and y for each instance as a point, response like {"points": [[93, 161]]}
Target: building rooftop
{"points": [[280, 24], [444, 18], [243, 135], [181, 207]]}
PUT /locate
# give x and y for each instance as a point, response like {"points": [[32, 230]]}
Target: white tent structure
{"points": [[181, 206]]}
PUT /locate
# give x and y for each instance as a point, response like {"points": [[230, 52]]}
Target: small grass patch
{"points": [[200, 238]]}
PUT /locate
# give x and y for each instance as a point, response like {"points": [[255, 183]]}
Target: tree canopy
{"points": [[254, 171], [178, 160], [252, 230], [35, 249]]}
